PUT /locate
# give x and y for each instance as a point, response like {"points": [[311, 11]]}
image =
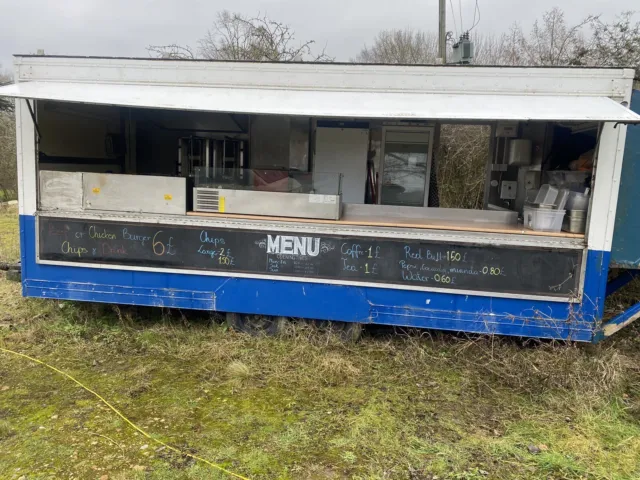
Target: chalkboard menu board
{"points": [[405, 263]]}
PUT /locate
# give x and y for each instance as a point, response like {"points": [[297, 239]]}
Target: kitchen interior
{"points": [[347, 171]]}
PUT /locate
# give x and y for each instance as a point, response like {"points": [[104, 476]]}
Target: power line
{"points": [[453, 14], [460, 8], [476, 10]]}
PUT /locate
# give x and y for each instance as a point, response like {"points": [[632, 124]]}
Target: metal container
{"points": [[575, 221], [134, 193], [273, 204], [60, 190], [77, 191], [519, 153], [578, 201]]}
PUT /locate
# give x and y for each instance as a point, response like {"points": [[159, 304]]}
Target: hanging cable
{"points": [[460, 8], [453, 14], [476, 10], [121, 415]]}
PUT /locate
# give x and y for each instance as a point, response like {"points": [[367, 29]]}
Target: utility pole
{"points": [[442, 33]]}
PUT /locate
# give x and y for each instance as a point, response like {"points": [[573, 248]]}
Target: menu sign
{"points": [[338, 259]]}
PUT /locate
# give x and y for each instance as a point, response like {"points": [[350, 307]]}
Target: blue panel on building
{"points": [[625, 251], [388, 306]]}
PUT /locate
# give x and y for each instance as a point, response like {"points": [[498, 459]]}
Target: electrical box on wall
{"points": [[531, 179], [507, 129], [462, 52], [508, 190], [519, 152]]}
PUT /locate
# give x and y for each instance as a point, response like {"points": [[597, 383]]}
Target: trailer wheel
{"points": [[351, 331], [346, 331], [13, 275], [257, 324]]}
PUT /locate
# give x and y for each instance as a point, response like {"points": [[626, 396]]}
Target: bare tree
{"points": [[8, 167], [552, 42], [462, 158], [236, 37], [400, 47], [498, 50], [6, 104], [413, 47], [616, 44], [173, 51]]}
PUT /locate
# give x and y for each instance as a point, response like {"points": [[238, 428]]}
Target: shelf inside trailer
{"points": [[398, 222]]}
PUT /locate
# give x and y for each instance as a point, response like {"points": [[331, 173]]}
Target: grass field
{"points": [[396, 405], [9, 235]]}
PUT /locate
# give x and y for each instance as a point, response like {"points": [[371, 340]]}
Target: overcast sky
{"points": [[125, 27]]}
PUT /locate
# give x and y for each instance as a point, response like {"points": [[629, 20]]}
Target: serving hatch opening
{"points": [[472, 162]]}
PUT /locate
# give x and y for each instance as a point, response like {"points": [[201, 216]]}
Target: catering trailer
{"points": [[312, 190]]}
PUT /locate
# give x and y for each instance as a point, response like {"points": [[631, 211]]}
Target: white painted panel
{"points": [[135, 193], [608, 82], [344, 150], [26, 154], [322, 103], [60, 190], [607, 183]]}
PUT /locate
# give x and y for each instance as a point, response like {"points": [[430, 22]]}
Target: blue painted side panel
{"points": [[621, 320], [625, 251], [447, 311], [621, 280]]}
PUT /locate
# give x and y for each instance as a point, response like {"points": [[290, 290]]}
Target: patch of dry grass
{"points": [[396, 405], [9, 235], [238, 370]]}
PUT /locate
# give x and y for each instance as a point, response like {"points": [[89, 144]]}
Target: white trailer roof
{"points": [[332, 103]]}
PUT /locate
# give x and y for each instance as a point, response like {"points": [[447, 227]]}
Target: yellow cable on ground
{"points": [[133, 425]]}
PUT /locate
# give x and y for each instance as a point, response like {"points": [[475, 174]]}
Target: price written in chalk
{"points": [[162, 244], [416, 264], [354, 254], [494, 271], [367, 268], [435, 256], [215, 248]]}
